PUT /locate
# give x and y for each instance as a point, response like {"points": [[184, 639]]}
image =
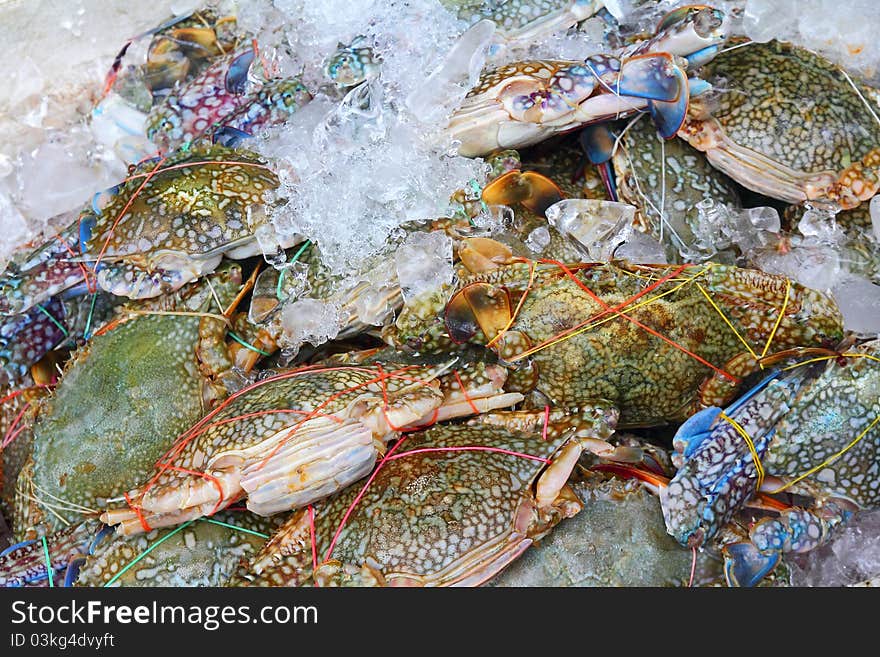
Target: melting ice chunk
{"points": [[538, 239], [424, 263], [859, 301], [309, 320], [598, 226], [642, 248], [875, 216]]}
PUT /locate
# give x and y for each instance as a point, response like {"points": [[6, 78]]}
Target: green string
{"points": [[88, 328], [247, 344], [54, 321], [295, 257], [165, 538], [48, 563], [236, 527], [147, 551]]}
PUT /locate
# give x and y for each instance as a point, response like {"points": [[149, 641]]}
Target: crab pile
{"points": [[606, 355]]}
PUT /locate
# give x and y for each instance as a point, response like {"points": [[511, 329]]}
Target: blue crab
{"points": [[300, 435], [221, 102], [450, 506], [173, 221], [792, 126], [659, 342], [203, 553], [520, 104], [810, 429], [123, 399]]}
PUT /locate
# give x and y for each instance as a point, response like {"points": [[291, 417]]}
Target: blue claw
{"points": [[654, 77], [700, 57], [72, 571], [669, 116], [13, 548], [695, 430], [230, 137], [745, 565], [698, 86], [597, 142], [236, 76], [86, 226]]}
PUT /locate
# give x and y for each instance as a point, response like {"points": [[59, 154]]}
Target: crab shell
{"points": [[651, 380], [122, 401], [173, 222], [521, 104], [788, 124], [453, 517], [297, 437]]}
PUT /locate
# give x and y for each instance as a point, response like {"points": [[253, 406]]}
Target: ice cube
{"points": [[538, 239], [875, 216], [641, 248], [764, 20], [598, 226], [859, 301], [308, 321], [424, 263]]}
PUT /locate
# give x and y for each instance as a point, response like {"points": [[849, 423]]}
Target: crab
{"points": [[519, 20], [123, 399], [202, 553], [790, 125], [659, 342], [667, 180], [452, 505], [618, 539], [298, 436], [352, 63], [220, 100], [809, 429], [523, 103], [171, 222]]}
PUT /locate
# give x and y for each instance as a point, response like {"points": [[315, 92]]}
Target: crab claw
{"points": [[478, 306], [653, 76], [745, 565], [669, 116], [534, 191], [597, 142], [236, 76]]}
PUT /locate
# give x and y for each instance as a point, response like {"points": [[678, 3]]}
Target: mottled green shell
{"points": [[618, 539], [792, 106], [828, 415], [307, 394], [196, 204], [647, 378], [657, 175], [203, 553], [425, 514], [507, 14], [118, 408]]}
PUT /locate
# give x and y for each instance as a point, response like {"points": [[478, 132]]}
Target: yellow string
{"points": [[742, 432], [727, 321], [513, 315], [617, 314], [822, 358], [778, 318], [829, 460]]}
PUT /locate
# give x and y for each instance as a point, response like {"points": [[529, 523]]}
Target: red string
{"points": [[138, 513], [464, 392], [546, 422]]}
